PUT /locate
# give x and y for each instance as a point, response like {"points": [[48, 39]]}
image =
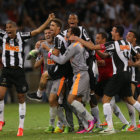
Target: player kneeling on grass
{"points": [[76, 54]]}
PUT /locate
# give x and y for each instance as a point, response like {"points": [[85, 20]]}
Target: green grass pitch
{"points": [[37, 120]]}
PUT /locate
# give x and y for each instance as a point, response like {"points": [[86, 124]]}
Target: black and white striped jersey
{"points": [[57, 71], [13, 49], [120, 52], [135, 70], [91, 59], [83, 33]]}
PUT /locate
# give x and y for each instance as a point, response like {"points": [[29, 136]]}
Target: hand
{"points": [[130, 63], [43, 45], [49, 54], [51, 16], [37, 45]]}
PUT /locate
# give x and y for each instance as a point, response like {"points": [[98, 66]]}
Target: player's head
{"points": [[101, 38], [11, 29], [73, 20], [131, 37], [48, 35], [117, 32], [73, 31], [55, 26]]}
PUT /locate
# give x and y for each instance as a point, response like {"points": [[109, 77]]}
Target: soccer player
{"points": [[73, 22], [105, 73], [13, 72], [57, 73], [120, 83], [132, 38], [47, 63], [76, 53]]}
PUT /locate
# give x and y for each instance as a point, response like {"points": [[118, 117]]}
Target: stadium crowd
{"points": [[95, 15], [75, 70]]}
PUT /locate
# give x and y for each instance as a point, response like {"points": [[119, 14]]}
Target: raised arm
{"points": [[43, 26]]}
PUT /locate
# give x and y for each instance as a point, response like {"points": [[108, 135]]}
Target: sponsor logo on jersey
{"points": [[11, 48]]}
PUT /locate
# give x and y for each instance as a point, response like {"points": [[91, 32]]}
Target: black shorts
{"points": [[14, 76], [119, 84], [92, 77], [100, 86]]}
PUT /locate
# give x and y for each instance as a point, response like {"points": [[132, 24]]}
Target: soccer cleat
{"points": [[125, 127], [104, 124], [71, 129], [91, 124], [108, 131], [82, 131], [50, 129], [131, 128], [98, 129], [1, 124], [80, 128], [58, 130], [66, 129], [20, 132], [33, 96], [138, 126]]}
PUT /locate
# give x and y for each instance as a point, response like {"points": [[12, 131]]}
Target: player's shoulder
{"points": [[137, 47], [64, 32], [60, 37], [24, 34], [2, 31]]}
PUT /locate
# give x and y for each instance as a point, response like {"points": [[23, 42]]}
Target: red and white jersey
{"points": [[106, 71]]}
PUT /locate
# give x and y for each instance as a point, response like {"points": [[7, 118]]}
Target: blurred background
{"points": [[94, 15]]}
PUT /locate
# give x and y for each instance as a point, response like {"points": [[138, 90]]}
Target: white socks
{"points": [[60, 124], [61, 116], [137, 106], [2, 110], [132, 116], [82, 110], [108, 114], [95, 113], [117, 111], [53, 113], [39, 93], [22, 112]]}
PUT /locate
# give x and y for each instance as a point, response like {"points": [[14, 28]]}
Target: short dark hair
{"points": [[58, 22], [47, 28], [103, 34], [135, 33], [12, 22], [75, 31], [120, 30], [74, 15]]}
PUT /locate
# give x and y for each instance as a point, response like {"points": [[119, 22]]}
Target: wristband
{"points": [[49, 54]]}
